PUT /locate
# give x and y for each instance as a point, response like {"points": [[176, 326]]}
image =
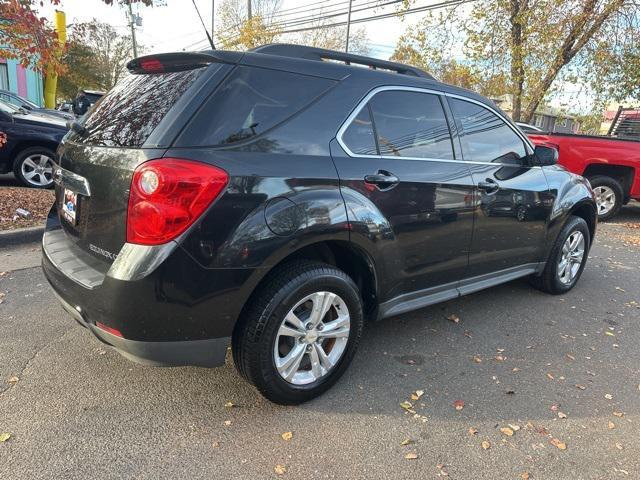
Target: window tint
{"points": [[359, 137], [486, 137], [251, 101], [411, 124], [126, 116]]}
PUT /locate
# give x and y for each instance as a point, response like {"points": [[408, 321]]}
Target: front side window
{"points": [[411, 124], [486, 137]]}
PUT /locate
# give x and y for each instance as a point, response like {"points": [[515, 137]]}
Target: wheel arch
{"points": [[624, 174], [26, 144], [342, 254]]}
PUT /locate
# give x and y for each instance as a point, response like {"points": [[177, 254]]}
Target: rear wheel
{"points": [[609, 196], [300, 333], [567, 259], [34, 167]]}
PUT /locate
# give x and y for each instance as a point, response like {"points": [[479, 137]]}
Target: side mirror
{"points": [[545, 155]]}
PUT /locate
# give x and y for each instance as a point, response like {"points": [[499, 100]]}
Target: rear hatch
{"points": [[134, 122]]}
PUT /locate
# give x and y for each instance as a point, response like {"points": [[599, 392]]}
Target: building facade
{"points": [[23, 81]]}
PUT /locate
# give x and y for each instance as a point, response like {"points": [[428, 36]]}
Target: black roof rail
{"points": [[321, 54]]}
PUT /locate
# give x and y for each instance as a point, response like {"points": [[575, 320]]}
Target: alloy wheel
{"points": [[571, 257], [605, 199], [37, 170], [312, 338]]}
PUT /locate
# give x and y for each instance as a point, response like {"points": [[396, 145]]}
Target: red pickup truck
{"points": [[612, 166]]}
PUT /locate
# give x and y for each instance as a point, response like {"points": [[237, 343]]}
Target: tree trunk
{"points": [[517, 62], [577, 38]]}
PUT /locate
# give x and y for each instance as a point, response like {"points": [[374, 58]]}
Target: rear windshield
{"points": [[126, 116], [251, 101]]}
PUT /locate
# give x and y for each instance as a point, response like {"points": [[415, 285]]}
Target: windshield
{"points": [[7, 107]]}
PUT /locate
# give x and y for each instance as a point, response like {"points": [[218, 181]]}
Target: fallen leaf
{"points": [[411, 456], [549, 376], [477, 359], [287, 436], [562, 415], [570, 357], [453, 318], [4, 437], [609, 333], [525, 476], [227, 422], [554, 408], [458, 404], [507, 431], [619, 446], [558, 444], [13, 380], [467, 333], [406, 441], [472, 431], [515, 369], [500, 358], [406, 405], [608, 396], [215, 444], [513, 427], [581, 387], [486, 445], [417, 394], [611, 425], [280, 469], [618, 414], [229, 404]]}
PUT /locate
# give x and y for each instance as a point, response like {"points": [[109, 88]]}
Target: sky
{"points": [[173, 25]]}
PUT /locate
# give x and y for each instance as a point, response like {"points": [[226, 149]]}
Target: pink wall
{"points": [[22, 80]]}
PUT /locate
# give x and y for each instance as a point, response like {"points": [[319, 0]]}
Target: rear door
{"points": [[408, 197], [512, 195]]}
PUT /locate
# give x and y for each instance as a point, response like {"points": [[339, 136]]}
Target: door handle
{"points": [[382, 179], [489, 186]]}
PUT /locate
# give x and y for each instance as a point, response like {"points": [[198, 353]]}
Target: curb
{"points": [[21, 236]]}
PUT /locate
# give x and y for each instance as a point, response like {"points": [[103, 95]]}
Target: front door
{"points": [[512, 196], [407, 195]]}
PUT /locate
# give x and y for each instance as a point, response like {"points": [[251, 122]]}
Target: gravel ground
{"points": [[551, 384]]}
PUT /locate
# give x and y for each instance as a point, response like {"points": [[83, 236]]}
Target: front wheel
{"points": [[34, 167], [567, 259], [300, 333]]}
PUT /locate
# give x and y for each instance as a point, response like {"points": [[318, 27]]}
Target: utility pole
{"points": [[133, 30], [346, 48], [249, 9]]}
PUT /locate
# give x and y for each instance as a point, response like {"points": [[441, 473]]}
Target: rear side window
{"points": [[411, 124], [486, 137], [251, 101], [359, 136], [126, 116]]}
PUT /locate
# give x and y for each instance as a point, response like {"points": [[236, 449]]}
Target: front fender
{"points": [[571, 193]]}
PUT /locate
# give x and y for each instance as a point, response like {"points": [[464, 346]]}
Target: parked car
{"points": [[277, 202], [528, 128], [611, 164], [20, 102], [31, 143]]}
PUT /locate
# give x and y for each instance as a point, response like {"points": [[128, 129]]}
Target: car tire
{"points": [[33, 167], [266, 345], [560, 273], [609, 196]]}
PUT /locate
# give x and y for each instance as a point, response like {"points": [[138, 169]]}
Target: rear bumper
{"points": [[198, 353], [176, 313]]}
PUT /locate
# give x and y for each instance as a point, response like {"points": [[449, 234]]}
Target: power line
{"points": [[410, 11]]}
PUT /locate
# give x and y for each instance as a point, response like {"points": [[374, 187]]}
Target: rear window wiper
{"points": [[77, 128]]}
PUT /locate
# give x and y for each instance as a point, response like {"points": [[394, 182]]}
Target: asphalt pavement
{"points": [[560, 375]]}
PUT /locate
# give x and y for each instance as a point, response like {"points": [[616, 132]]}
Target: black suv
{"points": [[278, 199]]}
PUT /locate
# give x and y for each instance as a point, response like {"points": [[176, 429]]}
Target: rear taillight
{"points": [[167, 195]]}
